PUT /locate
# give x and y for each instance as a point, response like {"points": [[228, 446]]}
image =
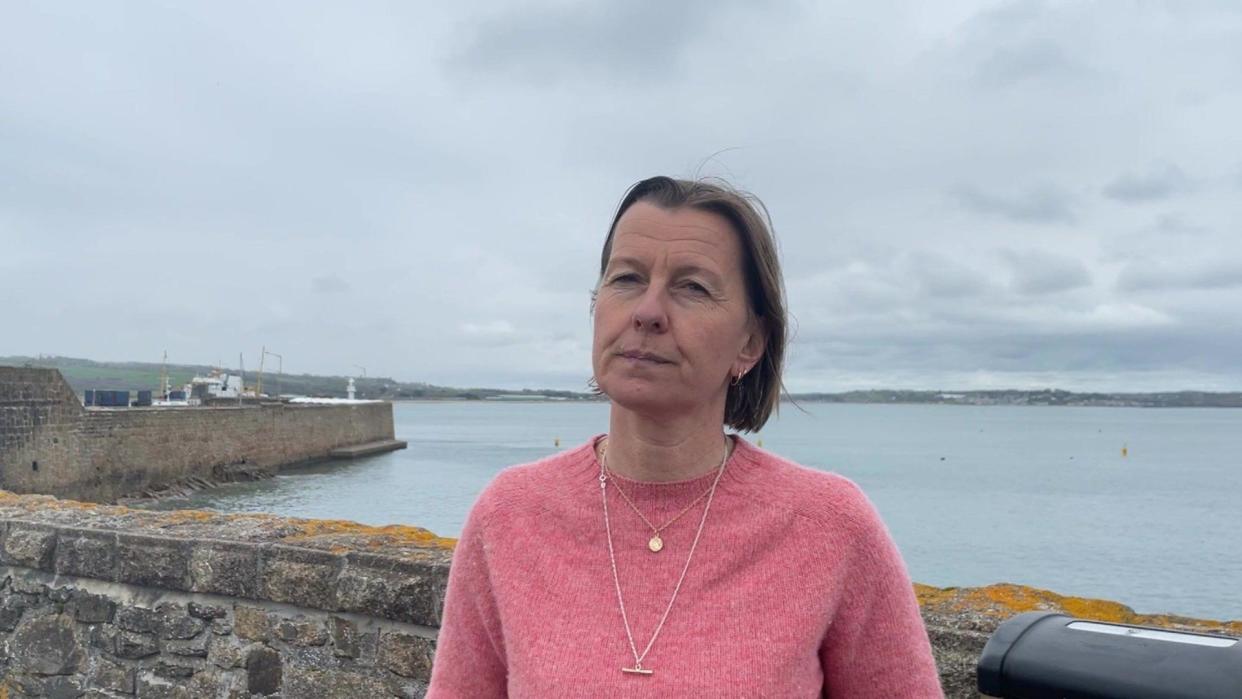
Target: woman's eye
{"points": [[696, 287], [623, 278]]}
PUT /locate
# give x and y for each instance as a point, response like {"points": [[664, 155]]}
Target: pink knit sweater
{"points": [[796, 589]]}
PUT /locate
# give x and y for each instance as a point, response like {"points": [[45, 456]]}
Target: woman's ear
{"points": [[756, 343]]}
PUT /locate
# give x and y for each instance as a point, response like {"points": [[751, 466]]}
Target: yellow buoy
{"points": [[1125, 451], [760, 443], [557, 442]]}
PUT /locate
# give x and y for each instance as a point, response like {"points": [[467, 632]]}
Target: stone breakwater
{"points": [[105, 601], [50, 444]]}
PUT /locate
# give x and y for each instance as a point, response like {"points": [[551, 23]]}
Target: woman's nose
{"points": [[649, 314]]}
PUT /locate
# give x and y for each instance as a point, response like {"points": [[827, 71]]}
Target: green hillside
{"points": [[85, 374]]}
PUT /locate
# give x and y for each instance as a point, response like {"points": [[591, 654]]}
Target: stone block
{"points": [[138, 619], [406, 655], [227, 653], [152, 561], [225, 569], [207, 611], [412, 597], [344, 635], [173, 670], [86, 553], [191, 648], [90, 609], [214, 683], [152, 686], [264, 671], [110, 675], [176, 624], [252, 623], [300, 576], [305, 682], [29, 545], [56, 687], [12, 607], [134, 646], [407, 689], [301, 632], [28, 586], [47, 645], [103, 637]]}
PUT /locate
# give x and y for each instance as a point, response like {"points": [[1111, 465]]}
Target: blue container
{"points": [[89, 397], [112, 399], [176, 395], [144, 398]]}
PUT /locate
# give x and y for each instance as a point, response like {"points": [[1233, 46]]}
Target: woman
{"points": [[665, 558]]}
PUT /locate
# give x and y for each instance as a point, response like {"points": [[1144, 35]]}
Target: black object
{"points": [[144, 398], [1043, 654], [89, 397]]}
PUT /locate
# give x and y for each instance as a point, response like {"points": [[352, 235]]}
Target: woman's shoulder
{"points": [[537, 484], [825, 498]]}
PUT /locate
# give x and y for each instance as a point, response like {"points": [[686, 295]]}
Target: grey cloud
{"points": [[329, 284], [1158, 182], [630, 41], [416, 155], [1152, 276], [1177, 224], [1040, 204], [940, 277], [1036, 272], [1010, 65], [1015, 44]]}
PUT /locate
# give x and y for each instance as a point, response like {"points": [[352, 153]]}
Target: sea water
{"points": [[1141, 506]]}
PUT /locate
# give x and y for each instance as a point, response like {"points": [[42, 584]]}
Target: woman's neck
{"points": [[663, 450]]}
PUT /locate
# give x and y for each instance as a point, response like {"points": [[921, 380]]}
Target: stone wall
{"points": [[50, 444], [105, 601]]}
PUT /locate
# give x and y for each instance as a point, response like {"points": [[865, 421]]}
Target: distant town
{"points": [[85, 374]]}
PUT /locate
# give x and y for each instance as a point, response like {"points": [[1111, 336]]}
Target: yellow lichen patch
{"points": [[392, 534], [352, 535], [1003, 600], [183, 516]]}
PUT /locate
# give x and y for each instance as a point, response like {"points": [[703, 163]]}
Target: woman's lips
{"points": [[637, 356]]}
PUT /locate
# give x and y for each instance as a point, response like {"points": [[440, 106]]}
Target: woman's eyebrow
{"points": [[680, 270], [692, 269], [624, 260]]}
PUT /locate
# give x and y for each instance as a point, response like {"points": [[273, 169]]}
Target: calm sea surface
{"points": [[973, 495]]}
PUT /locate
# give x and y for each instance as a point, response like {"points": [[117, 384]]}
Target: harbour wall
{"points": [[51, 444], [108, 601]]}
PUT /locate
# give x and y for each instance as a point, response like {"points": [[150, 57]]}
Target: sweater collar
{"points": [[740, 469]]}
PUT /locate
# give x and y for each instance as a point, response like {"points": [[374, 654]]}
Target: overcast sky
{"points": [[966, 195]]}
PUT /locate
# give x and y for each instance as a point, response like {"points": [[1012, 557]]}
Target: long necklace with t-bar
{"points": [[638, 668]]}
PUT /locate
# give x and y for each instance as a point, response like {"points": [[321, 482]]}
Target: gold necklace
{"points": [[655, 544], [638, 668]]}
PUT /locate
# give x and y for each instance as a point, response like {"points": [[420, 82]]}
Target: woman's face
{"points": [[672, 317]]}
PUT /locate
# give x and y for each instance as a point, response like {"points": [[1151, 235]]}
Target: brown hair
{"points": [[753, 400]]}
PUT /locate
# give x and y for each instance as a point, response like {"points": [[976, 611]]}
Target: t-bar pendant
{"points": [[637, 670]]}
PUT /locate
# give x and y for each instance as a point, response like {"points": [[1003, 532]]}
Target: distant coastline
{"points": [[83, 374]]}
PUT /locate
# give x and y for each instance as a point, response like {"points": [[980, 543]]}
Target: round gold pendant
{"points": [[655, 544]]}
